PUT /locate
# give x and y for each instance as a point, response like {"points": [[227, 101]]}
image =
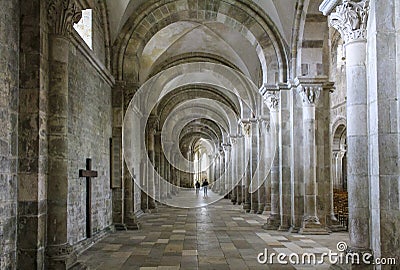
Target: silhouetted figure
{"points": [[197, 185], [205, 187]]}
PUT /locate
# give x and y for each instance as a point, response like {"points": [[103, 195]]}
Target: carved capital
{"points": [[309, 93], [350, 19], [233, 139], [310, 89], [62, 14], [227, 147], [272, 100], [246, 128]]}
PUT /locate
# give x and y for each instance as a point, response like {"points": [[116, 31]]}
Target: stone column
{"points": [[234, 162], [263, 165], [228, 165], [272, 101], [285, 166], [117, 187], [254, 163], [24, 111], [246, 165], [62, 15], [240, 168], [267, 161], [216, 172], [350, 19], [221, 181], [168, 168], [152, 127], [310, 93], [157, 165], [131, 189]]}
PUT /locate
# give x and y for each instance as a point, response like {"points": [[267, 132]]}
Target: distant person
{"points": [[197, 185], [205, 186]]}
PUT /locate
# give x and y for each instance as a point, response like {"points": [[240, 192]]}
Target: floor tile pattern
{"points": [[219, 236]]}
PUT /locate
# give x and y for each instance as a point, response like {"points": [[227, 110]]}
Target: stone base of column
{"points": [[233, 198], [311, 225], [132, 224], [151, 210], [120, 227], [273, 223], [62, 257], [247, 207], [294, 229], [267, 209], [334, 225], [284, 228], [260, 208], [152, 204], [254, 208]]}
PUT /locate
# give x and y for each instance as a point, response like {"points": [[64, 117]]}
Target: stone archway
{"points": [[339, 175], [339, 149]]}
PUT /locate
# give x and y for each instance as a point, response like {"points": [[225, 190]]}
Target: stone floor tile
{"points": [[218, 237]]}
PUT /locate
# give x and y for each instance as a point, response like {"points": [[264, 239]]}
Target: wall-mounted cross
{"points": [[88, 173]]}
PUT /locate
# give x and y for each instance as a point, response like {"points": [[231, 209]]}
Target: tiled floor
{"points": [[219, 236]]}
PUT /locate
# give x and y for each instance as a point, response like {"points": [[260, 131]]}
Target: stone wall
{"points": [[337, 75], [98, 35], [89, 137], [9, 63]]}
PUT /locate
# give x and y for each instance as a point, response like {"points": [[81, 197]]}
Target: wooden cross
{"points": [[88, 173]]}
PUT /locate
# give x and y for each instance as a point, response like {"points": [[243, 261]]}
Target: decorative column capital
{"points": [[227, 147], [233, 138], [62, 14], [310, 89], [309, 93], [246, 124], [350, 19], [271, 96]]}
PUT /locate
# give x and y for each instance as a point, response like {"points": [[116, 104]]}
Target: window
{"points": [[84, 27]]}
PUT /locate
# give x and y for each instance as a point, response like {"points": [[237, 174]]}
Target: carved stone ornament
{"points": [[272, 100], [246, 128], [233, 139], [310, 94], [350, 19], [62, 14]]}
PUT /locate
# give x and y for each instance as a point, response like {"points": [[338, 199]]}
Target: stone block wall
{"points": [[98, 35], [89, 137], [337, 75], [9, 81]]}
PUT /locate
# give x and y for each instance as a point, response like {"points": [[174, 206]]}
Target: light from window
{"points": [[84, 27]]}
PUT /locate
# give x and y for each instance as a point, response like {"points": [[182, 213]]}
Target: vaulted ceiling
{"points": [[281, 13]]}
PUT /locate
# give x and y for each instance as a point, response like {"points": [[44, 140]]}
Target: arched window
{"points": [[84, 27]]}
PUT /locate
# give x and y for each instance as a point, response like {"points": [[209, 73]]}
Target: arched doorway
{"points": [[339, 175]]}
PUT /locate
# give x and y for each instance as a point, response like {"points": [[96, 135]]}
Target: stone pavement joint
{"points": [[219, 236]]}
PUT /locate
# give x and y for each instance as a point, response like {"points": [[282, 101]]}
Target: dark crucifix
{"points": [[88, 173]]}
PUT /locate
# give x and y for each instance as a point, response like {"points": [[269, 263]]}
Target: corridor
{"points": [[218, 236]]}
